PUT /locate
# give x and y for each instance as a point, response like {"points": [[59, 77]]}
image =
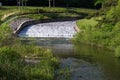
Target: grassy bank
{"points": [[104, 30], [29, 62], [92, 33], [43, 12], [24, 62]]}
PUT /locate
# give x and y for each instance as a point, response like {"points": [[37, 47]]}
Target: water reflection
{"points": [[101, 57], [101, 63]]}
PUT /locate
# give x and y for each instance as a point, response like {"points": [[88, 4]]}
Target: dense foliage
{"points": [[24, 62], [106, 31], [101, 30]]}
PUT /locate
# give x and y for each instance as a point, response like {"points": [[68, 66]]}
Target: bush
{"points": [[106, 33], [87, 27], [42, 71], [7, 54], [11, 66], [117, 51], [13, 56]]}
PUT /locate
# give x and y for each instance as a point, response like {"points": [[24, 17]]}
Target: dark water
{"points": [[85, 62]]}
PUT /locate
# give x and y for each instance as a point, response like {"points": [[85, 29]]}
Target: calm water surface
{"points": [[85, 62]]}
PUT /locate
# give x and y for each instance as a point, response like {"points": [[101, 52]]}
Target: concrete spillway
{"points": [[63, 29]]}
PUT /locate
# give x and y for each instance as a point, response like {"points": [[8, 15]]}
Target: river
{"points": [[78, 61], [81, 61]]}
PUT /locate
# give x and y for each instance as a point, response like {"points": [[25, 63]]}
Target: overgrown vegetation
{"points": [[29, 62], [24, 62], [103, 30]]}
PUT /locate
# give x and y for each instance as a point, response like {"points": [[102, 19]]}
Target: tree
{"points": [[49, 3], [25, 2], [53, 3], [100, 2], [18, 3], [21, 3]]}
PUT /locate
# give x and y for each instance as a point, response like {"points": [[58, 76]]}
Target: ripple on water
{"points": [[80, 70]]}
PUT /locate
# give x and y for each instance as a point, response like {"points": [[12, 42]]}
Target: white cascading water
{"points": [[63, 29]]}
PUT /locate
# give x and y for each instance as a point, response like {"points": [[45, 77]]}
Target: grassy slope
{"points": [[10, 48], [13, 55], [86, 26], [84, 23], [44, 12]]}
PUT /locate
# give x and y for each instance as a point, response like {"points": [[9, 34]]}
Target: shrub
{"points": [[42, 71], [117, 51], [11, 67]]}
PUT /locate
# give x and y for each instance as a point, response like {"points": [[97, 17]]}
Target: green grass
{"points": [[14, 67], [51, 16], [44, 11], [85, 23], [12, 59], [106, 36], [106, 32], [86, 26]]}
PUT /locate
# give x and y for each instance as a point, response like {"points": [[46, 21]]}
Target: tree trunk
{"points": [[49, 3], [53, 3], [25, 4], [18, 4], [22, 4]]}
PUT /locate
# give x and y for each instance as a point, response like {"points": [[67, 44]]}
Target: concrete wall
{"points": [[27, 23], [77, 28]]}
